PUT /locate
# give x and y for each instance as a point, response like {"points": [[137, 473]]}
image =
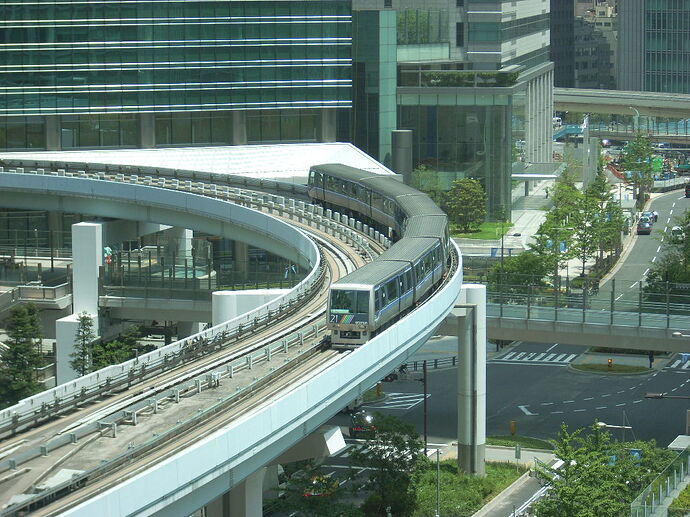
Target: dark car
{"points": [[362, 425], [687, 190], [644, 228]]}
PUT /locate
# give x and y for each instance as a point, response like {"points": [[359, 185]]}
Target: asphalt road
{"points": [[540, 397]]}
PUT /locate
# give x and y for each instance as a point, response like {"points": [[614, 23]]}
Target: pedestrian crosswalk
{"points": [[678, 365], [535, 358], [403, 401], [350, 446]]}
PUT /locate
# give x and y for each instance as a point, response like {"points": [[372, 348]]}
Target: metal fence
{"points": [[655, 495]]}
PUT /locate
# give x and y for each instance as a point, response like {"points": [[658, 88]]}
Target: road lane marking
{"points": [[645, 272], [633, 285], [526, 411], [552, 347], [547, 403], [636, 401], [654, 259], [578, 410], [619, 297], [657, 250], [568, 401], [600, 407], [589, 398], [556, 412], [668, 220], [621, 404]]}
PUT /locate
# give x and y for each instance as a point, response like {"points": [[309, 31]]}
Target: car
{"points": [[362, 425], [677, 235], [644, 227], [321, 485], [652, 216]]}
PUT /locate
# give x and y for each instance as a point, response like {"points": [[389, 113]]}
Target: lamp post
{"points": [[604, 425], [636, 118]]}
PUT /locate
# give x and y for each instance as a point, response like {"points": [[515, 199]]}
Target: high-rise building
{"points": [[652, 46], [563, 43], [145, 73]]}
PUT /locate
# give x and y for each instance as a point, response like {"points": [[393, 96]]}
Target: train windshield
{"points": [[348, 301]]}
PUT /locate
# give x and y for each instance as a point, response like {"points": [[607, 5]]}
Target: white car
{"points": [[677, 235]]}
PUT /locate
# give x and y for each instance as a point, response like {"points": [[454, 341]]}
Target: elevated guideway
{"points": [[228, 455], [669, 105]]}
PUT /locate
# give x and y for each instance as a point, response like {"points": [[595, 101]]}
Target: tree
{"points": [[599, 477], [392, 458], [518, 273], [425, 179], [637, 158], [122, 349], [309, 492], [466, 204], [18, 363], [82, 357]]}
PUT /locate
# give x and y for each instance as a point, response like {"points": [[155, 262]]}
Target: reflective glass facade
{"points": [[100, 58]]}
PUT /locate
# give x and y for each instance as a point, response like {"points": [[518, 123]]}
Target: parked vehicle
{"points": [[687, 190], [644, 227], [651, 216]]}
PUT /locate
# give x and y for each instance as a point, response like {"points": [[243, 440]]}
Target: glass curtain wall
{"points": [[97, 64]]}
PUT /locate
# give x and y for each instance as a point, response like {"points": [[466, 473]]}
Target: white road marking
{"points": [[606, 395], [589, 398], [556, 412], [578, 410], [619, 297], [539, 357], [621, 404], [633, 285], [520, 355], [560, 357], [668, 220], [552, 347], [671, 212], [645, 272], [570, 358], [636, 401], [549, 357], [568, 401], [526, 411], [600, 407], [654, 259], [508, 356], [685, 366], [674, 204], [547, 403], [657, 250]]}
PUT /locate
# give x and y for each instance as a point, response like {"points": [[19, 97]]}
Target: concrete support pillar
{"points": [[240, 256], [327, 128], [246, 499], [56, 228], [180, 241], [53, 133], [468, 321], [87, 257], [147, 130], [472, 381], [226, 305], [402, 153], [239, 127]]}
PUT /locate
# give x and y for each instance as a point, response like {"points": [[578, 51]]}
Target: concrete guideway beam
{"points": [[204, 471], [156, 205]]}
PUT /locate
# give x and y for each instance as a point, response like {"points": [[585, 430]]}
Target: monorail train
{"points": [[376, 295]]}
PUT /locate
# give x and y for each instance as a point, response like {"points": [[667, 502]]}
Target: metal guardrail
{"points": [[652, 497], [334, 223]]}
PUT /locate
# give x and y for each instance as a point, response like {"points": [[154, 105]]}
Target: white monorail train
{"points": [[371, 298]]}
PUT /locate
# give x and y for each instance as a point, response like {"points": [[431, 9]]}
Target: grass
{"points": [[524, 441], [487, 231], [604, 368], [461, 494]]}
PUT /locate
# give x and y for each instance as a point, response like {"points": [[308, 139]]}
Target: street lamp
{"points": [[604, 425], [636, 118]]}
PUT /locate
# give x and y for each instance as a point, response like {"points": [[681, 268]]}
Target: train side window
{"points": [[391, 289], [377, 300]]}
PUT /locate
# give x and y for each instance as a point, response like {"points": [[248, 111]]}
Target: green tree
{"points": [[599, 477], [516, 274], [309, 492], [82, 357], [425, 179], [122, 349], [18, 363], [637, 158], [466, 204], [392, 458]]}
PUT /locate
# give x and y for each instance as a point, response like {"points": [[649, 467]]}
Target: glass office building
{"points": [[141, 73]]}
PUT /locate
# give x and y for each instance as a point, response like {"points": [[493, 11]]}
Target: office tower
{"points": [[151, 73], [652, 46]]}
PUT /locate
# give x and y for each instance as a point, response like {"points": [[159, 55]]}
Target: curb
{"points": [[493, 503]]}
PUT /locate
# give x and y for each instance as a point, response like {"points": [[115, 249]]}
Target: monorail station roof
{"points": [[283, 162]]}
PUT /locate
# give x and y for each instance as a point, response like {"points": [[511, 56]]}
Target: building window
{"points": [[459, 35], [387, 3]]}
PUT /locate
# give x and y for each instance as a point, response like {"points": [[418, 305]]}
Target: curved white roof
{"points": [[284, 162]]}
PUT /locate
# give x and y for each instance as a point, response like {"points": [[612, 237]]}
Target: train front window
{"points": [[348, 301]]}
